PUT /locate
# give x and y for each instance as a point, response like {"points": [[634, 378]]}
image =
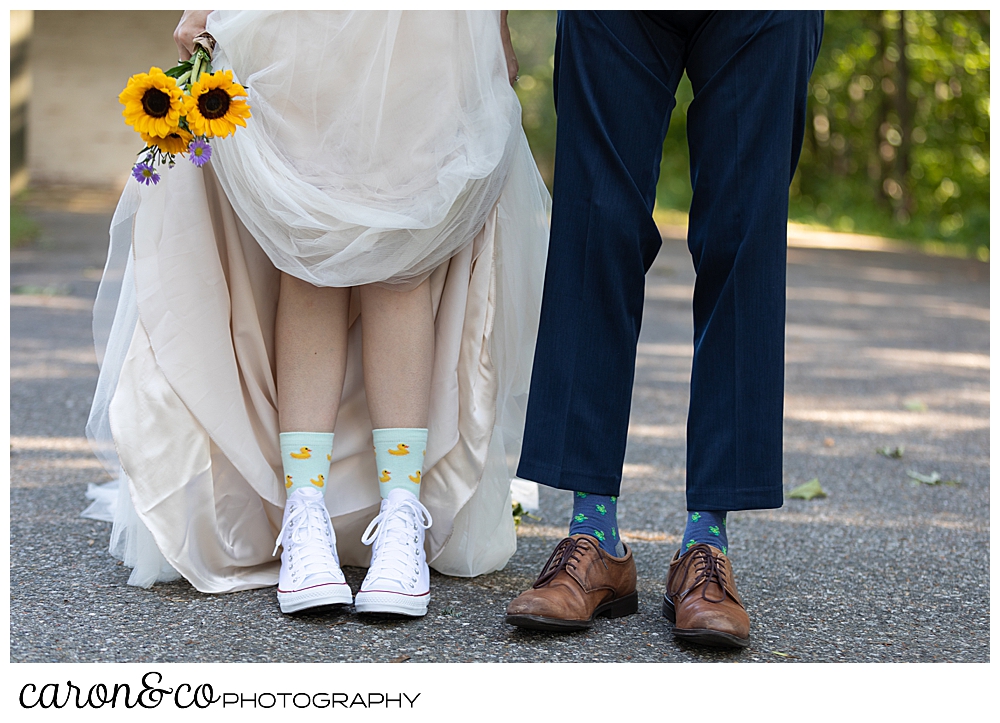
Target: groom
{"points": [[615, 77]]}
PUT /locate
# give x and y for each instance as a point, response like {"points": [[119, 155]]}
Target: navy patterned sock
{"points": [[597, 516], [707, 527]]}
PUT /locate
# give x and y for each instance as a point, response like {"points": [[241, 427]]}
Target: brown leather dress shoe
{"points": [[579, 582], [702, 602]]}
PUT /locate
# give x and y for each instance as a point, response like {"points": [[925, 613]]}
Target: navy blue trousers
{"points": [[616, 73]]}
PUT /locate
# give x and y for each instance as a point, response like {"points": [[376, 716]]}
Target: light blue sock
{"points": [[305, 459], [399, 458], [708, 528]]}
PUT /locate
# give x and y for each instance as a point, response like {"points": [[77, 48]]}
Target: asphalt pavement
{"points": [[884, 349]]}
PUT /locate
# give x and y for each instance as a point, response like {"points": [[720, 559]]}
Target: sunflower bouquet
{"points": [[178, 111]]}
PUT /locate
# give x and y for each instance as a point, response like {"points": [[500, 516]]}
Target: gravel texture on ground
{"points": [[883, 350]]}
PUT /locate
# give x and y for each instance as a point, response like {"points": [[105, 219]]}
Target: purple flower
{"points": [[200, 152], [144, 173]]}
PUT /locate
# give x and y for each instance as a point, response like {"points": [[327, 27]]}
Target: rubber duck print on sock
{"points": [[288, 480], [415, 480], [319, 482], [303, 453], [384, 477], [400, 450]]}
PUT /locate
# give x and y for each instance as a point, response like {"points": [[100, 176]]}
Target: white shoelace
{"points": [[397, 539], [309, 531]]}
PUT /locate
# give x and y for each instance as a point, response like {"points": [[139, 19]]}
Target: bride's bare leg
{"points": [[311, 348], [397, 333], [398, 351]]}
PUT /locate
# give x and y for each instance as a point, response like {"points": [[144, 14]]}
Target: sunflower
{"points": [[152, 103], [175, 142], [213, 109]]}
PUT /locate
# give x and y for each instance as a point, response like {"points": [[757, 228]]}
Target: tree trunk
{"points": [[880, 65], [905, 110]]}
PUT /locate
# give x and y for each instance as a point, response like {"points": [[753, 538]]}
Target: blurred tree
{"points": [[897, 137], [533, 33]]}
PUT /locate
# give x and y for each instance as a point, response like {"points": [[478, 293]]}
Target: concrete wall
{"points": [[80, 61]]}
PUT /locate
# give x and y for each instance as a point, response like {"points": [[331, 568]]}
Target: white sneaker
{"points": [[310, 569], [398, 580]]}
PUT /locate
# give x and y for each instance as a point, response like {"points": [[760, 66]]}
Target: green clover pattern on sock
{"points": [[705, 527], [595, 515]]}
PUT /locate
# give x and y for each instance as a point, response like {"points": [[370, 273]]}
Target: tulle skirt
{"points": [[384, 147]]}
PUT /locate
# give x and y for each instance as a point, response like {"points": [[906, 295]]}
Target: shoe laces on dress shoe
{"points": [[707, 569], [397, 533], [567, 554]]}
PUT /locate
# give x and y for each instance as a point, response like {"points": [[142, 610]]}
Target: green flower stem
{"points": [[195, 67], [202, 63]]}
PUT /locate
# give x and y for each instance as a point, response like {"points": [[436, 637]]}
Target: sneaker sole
{"points": [[412, 606], [701, 636], [619, 608], [315, 597]]}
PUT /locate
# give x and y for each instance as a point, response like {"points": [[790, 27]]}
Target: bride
{"points": [[321, 341]]}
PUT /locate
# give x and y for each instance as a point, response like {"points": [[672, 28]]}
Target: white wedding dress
{"points": [[383, 147]]}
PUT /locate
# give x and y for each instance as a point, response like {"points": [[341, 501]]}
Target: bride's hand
{"points": [[191, 25], [508, 48]]}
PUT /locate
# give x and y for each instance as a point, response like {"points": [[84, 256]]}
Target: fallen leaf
{"points": [[891, 452], [400, 659], [783, 655], [915, 405], [933, 478], [807, 491]]}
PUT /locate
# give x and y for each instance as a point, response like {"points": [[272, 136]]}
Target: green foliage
{"points": [[897, 136], [533, 34]]}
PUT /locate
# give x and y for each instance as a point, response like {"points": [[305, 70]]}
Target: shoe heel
{"points": [[668, 610], [628, 605]]}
